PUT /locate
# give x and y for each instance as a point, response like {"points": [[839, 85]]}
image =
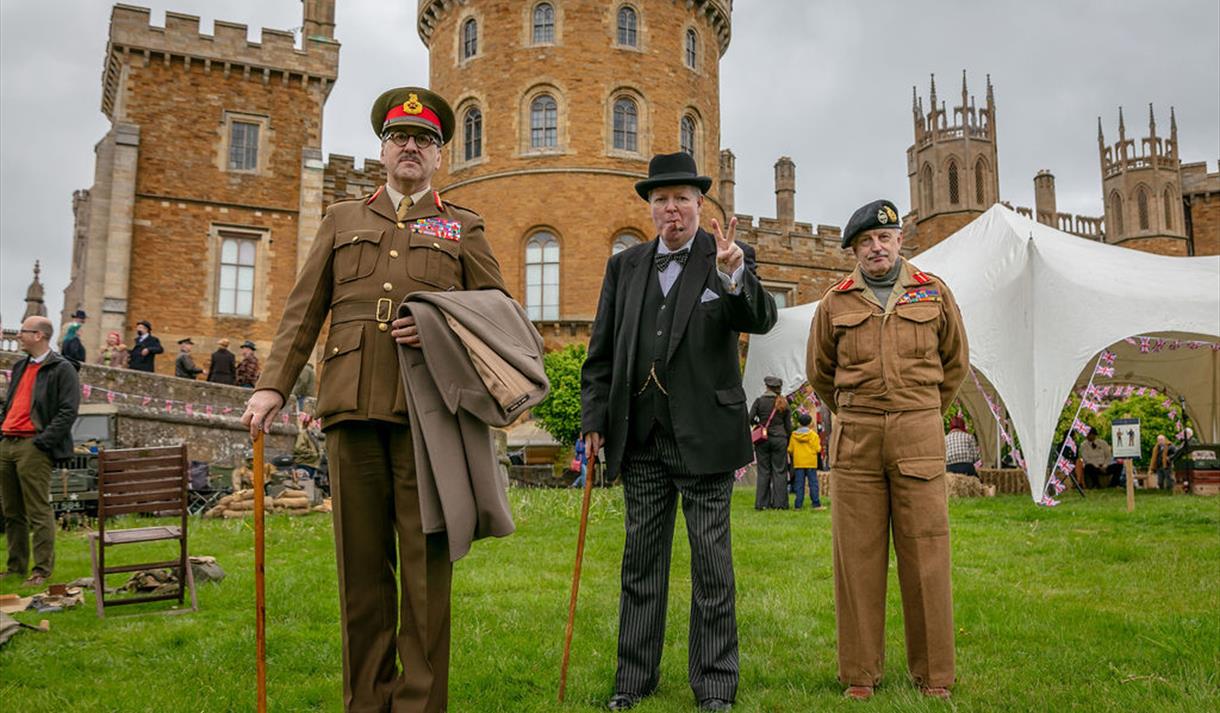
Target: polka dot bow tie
{"points": [[679, 257]]}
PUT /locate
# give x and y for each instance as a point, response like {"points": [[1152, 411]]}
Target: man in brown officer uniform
{"points": [[368, 255], [887, 352]]}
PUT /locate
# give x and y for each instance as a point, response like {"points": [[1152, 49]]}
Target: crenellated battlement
{"points": [[965, 120], [342, 180], [275, 57], [1084, 226], [1151, 151]]}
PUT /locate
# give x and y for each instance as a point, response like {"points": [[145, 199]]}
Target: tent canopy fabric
{"points": [[1038, 305]]}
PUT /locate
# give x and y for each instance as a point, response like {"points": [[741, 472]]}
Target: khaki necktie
{"points": [[403, 206]]}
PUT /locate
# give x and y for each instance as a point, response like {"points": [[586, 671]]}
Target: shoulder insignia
{"points": [[921, 278], [844, 285], [437, 197], [375, 194]]}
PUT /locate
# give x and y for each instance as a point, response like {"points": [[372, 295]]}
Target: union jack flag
{"points": [[1105, 370]]}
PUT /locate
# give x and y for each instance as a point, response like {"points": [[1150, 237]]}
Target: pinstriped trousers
{"points": [[653, 478]]}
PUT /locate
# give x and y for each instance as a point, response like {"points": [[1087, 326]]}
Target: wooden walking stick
{"points": [[580, 555], [260, 593]]}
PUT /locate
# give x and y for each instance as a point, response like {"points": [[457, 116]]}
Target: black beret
{"points": [[878, 214]]}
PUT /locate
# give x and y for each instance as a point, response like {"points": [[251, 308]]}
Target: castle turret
{"points": [[785, 190], [728, 181], [35, 306], [1044, 198], [1141, 185]]}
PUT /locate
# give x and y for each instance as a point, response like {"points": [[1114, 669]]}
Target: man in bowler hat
{"points": [[661, 390], [144, 352]]}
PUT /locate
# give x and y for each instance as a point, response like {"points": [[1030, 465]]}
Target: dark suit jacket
{"points": [[223, 367], [706, 401], [139, 362]]}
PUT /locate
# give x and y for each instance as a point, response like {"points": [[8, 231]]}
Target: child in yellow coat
{"points": [[803, 448]]}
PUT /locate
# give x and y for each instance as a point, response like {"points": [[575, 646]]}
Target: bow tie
{"points": [[679, 257]]}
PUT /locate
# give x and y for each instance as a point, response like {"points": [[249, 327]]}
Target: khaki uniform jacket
{"points": [[362, 264], [907, 355]]}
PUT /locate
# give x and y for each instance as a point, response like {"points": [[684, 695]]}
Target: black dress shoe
{"points": [[623, 701], [715, 704]]}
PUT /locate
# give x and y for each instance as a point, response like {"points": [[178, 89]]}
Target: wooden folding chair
{"points": [[141, 480]]}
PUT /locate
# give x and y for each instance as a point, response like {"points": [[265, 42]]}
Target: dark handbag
{"points": [[758, 433]]}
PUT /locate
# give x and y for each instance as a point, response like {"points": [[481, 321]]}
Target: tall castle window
{"points": [[542, 277], [692, 49], [686, 135], [236, 290], [626, 124], [980, 177], [628, 24], [544, 122], [243, 146], [1168, 207], [954, 195], [470, 38], [1141, 205], [472, 134], [1116, 215], [544, 24], [622, 242], [925, 182]]}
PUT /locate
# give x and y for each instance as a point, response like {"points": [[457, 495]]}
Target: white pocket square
{"points": [[708, 295]]}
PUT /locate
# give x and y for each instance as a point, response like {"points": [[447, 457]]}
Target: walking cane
{"points": [[260, 594], [580, 555]]}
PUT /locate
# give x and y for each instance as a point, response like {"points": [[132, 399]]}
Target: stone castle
{"points": [[199, 226]]}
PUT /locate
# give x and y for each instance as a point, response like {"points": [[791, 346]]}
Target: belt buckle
{"points": [[386, 305]]}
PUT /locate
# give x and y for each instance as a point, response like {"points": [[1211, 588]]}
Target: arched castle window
{"points": [[544, 24], [692, 48], [626, 124], [472, 134], [1116, 215], [622, 242], [628, 26], [686, 135], [470, 38], [1141, 206], [544, 122], [980, 177], [925, 183], [1168, 207], [954, 195], [542, 277]]}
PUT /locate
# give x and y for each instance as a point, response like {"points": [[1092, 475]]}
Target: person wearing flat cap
{"points": [[369, 254], [770, 411], [661, 389], [887, 352], [184, 365]]}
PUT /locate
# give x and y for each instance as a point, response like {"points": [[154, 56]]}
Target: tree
{"points": [[559, 412]]}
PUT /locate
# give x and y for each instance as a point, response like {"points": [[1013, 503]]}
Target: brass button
{"points": [[382, 326], [387, 287], [401, 226], [355, 238], [393, 253], [335, 350]]}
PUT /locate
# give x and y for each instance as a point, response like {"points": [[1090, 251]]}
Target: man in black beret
{"points": [[661, 389], [887, 352]]}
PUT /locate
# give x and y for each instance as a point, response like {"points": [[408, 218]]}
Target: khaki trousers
{"points": [[378, 530], [25, 487], [889, 474]]}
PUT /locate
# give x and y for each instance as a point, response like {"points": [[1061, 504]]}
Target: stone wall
{"points": [[217, 438]]}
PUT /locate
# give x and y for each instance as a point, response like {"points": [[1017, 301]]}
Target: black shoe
{"points": [[623, 701], [715, 704]]}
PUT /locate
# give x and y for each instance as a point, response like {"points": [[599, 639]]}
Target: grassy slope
{"points": [[1080, 608]]}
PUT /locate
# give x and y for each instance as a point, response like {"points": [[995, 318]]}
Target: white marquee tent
{"points": [[1039, 305]]}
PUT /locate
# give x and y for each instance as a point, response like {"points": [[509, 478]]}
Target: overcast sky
{"points": [[827, 83]]}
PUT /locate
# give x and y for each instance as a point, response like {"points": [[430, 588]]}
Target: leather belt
{"points": [[380, 310]]}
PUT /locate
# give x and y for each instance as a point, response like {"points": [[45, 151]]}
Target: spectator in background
{"points": [[1096, 455], [304, 388], [306, 450], [248, 368], [222, 369], [184, 365], [771, 412], [37, 417], [114, 354], [961, 449], [1162, 462], [803, 448], [72, 348], [144, 352]]}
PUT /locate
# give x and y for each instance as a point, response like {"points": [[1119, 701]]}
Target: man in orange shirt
{"points": [[37, 416]]}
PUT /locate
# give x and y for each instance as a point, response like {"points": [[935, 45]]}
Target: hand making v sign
{"points": [[728, 253]]}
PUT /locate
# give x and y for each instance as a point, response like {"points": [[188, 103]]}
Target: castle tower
{"points": [[560, 106], [208, 186], [728, 181], [785, 190], [1044, 198], [1141, 186], [952, 166]]}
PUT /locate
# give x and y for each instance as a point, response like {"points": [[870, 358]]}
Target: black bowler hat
{"points": [[412, 106], [185, 340], [79, 314], [878, 214], [248, 345], [672, 169], [146, 323]]}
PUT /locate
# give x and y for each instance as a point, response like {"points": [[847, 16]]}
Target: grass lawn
{"points": [[1078, 608]]}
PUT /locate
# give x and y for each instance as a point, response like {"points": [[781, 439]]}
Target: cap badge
{"points": [[412, 105], [891, 214], [882, 216]]}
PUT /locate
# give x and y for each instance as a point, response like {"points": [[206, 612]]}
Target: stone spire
{"points": [[34, 304]]}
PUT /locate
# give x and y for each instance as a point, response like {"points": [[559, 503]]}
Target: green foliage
{"points": [[1154, 419], [559, 413]]}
